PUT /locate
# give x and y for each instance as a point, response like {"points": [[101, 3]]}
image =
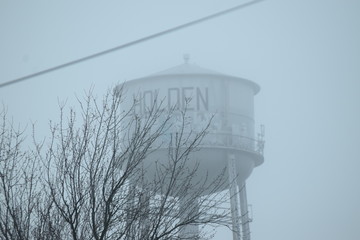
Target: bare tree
{"points": [[21, 197], [97, 183]]}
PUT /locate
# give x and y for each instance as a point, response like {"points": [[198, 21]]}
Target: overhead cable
{"points": [[98, 54]]}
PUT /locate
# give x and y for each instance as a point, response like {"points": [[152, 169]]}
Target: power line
{"points": [[95, 55]]}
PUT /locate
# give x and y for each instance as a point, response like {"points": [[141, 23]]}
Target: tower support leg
{"points": [[189, 209], [130, 233], [144, 224], [245, 218], [234, 198]]}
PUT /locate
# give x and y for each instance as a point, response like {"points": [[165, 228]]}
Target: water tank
{"points": [[227, 100]]}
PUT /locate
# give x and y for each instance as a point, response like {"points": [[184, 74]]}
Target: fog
{"points": [[305, 55]]}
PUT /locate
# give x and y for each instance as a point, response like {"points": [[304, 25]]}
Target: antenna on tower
{"points": [[186, 58]]}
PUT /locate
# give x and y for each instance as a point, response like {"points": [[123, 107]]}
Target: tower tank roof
{"points": [[189, 69]]}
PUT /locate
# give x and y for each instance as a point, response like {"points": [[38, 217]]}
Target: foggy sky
{"points": [[304, 54]]}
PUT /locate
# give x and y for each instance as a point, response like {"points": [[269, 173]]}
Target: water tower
{"points": [[230, 142]]}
